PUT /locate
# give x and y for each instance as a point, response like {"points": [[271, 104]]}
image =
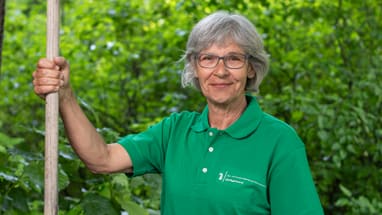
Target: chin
{"points": [[219, 100]]}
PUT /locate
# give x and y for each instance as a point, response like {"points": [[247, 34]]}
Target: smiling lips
{"points": [[220, 85]]}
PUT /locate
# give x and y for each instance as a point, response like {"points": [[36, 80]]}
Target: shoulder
{"points": [[272, 122], [280, 132], [182, 116], [179, 119]]}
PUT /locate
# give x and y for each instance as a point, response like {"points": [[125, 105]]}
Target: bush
{"points": [[324, 81]]}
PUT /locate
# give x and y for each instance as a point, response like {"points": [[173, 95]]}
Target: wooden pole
{"points": [[51, 115]]}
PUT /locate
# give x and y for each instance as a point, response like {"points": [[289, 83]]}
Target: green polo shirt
{"points": [[258, 165]]}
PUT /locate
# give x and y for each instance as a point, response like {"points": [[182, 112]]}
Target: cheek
{"points": [[199, 73], [202, 74], [243, 76]]}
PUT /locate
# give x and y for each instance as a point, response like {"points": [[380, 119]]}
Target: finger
{"points": [[46, 81], [46, 63], [47, 73], [42, 91]]}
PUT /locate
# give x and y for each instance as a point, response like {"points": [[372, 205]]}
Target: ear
{"points": [[195, 69], [251, 72], [196, 73]]}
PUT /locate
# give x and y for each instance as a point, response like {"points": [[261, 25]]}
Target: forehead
{"points": [[223, 48]]}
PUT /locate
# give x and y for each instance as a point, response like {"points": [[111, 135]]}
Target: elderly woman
{"points": [[232, 158]]}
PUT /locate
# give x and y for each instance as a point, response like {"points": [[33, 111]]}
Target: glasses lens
{"points": [[235, 61], [207, 61], [232, 61]]}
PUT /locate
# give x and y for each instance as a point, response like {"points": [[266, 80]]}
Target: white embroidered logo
{"points": [[226, 177], [221, 176]]}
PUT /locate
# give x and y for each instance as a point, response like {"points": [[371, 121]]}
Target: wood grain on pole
{"points": [[51, 115]]}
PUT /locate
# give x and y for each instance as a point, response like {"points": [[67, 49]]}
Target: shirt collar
{"points": [[242, 127]]}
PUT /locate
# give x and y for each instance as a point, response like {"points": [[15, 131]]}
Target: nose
{"points": [[220, 69]]}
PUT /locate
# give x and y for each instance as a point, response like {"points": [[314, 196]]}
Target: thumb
{"points": [[61, 62], [63, 65]]}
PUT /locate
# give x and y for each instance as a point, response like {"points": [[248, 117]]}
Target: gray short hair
{"points": [[218, 28]]}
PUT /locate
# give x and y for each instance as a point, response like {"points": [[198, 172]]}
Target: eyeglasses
{"points": [[231, 61]]}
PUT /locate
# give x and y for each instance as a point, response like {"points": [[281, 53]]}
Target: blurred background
{"points": [[325, 81]]}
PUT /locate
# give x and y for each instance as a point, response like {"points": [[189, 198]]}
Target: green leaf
{"points": [[8, 177], [133, 208], [34, 173], [8, 142], [345, 191], [93, 204], [120, 188], [342, 202], [63, 179], [18, 200]]}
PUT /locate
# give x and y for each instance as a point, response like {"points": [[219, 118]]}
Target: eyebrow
{"points": [[229, 53]]}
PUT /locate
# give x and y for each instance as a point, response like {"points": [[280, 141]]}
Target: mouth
{"points": [[220, 85]]}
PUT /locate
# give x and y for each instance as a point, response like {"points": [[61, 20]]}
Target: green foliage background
{"points": [[325, 80]]}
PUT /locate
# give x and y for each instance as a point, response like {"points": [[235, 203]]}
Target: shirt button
{"points": [[211, 149], [211, 133], [204, 170]]}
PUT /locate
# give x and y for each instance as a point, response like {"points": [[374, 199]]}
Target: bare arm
{"points": [[98, 156]]}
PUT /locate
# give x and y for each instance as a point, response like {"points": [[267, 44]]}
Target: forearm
{"points": [[86, 141]]}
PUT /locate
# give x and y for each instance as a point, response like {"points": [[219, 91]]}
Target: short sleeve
{"points": [[146, 150]]}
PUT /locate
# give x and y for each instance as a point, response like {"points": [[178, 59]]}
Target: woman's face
{"points": [[221, 85]]}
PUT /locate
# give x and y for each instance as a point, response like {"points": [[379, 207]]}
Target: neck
{"points": [[222, 116]]}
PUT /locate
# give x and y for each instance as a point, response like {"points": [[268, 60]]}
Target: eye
{"points": [[206, 57], [235, 58]]}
